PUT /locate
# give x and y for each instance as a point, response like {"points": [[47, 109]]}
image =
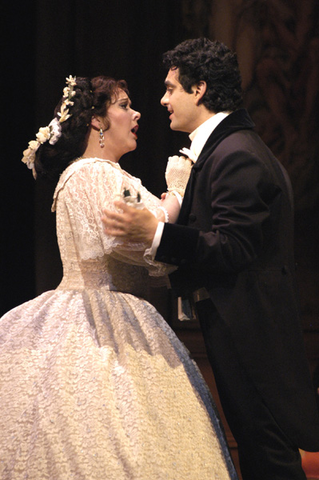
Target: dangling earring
{"points": [[101, 139]]}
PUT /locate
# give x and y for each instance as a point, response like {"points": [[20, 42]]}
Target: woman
{"points": [[94, 383]]}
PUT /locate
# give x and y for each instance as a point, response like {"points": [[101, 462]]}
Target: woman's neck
{"points": [[94, 149]]}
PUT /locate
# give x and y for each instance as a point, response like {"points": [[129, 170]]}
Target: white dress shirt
{"points": [[198, 137]]}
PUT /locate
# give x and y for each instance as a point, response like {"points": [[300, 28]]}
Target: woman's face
{"points": [[121, 136]]}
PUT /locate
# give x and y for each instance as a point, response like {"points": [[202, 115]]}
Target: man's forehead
{"points": [[172, 76]]}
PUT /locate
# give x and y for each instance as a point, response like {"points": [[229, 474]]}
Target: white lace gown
{"points": [[94, 383]]}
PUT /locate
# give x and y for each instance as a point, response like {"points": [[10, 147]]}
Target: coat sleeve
{"points": [[231, 208]]}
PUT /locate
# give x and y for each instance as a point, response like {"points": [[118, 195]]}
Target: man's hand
{"points": [[130, 225]]}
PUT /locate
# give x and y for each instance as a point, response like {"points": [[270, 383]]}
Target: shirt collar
{"points": [[200, 136]]}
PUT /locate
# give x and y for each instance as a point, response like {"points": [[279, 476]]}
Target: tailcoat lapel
{"points": [[238, 120]]}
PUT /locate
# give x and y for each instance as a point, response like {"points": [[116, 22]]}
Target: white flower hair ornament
{"points": [[53, 131]]}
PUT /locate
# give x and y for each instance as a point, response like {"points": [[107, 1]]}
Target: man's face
{"points": [[181, 105]]}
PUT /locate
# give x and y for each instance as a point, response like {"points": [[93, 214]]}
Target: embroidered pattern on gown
{"points": [[94, 384]]}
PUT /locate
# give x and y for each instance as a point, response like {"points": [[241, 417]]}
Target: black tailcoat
{"points": [[234, 236]]}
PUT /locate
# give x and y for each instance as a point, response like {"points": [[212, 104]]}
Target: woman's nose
{"points": [[136, 115]]}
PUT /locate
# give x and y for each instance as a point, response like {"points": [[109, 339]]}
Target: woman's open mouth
{"points": [[134, 131]]}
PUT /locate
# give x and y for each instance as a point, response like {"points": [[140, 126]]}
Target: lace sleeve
{"points": [[85, 189]]}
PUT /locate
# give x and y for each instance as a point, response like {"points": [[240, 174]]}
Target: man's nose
{"points": [[163, 100]]}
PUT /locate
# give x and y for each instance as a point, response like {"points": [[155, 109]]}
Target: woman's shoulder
{"points": [[84, 169], [82, 165]]}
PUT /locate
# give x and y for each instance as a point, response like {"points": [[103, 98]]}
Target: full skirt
{"points": [[95, 385]]}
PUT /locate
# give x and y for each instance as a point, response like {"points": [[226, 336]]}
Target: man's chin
{"points": [[173, 126], [178, 128]]}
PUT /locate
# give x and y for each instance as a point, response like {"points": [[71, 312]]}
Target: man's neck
{"points": [[202, 118], [200, 135]]}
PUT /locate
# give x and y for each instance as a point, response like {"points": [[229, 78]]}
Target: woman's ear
{"points": [[99, 123], [96, 122]]}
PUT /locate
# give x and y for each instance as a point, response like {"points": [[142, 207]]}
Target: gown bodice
{"points": [[91, 259]]}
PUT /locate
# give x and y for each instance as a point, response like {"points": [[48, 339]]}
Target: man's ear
{"points": [[199, 90]]}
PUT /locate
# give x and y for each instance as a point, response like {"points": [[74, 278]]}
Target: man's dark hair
{"points": [[201, 59]]}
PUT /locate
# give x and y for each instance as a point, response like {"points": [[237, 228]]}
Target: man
{"points": [[233, 245]]}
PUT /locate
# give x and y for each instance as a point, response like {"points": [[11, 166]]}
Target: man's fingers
{"points": [[117, 223], [111, 224], [130, 224]]}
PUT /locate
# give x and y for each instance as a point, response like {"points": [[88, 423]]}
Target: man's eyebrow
{"points": [[168, 83]]}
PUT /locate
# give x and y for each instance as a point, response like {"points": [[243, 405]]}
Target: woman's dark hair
{"points": [[204, 60], [91, 97]]}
